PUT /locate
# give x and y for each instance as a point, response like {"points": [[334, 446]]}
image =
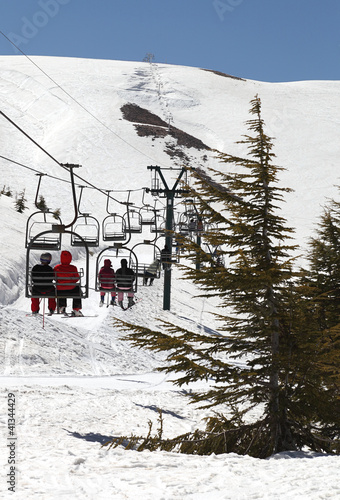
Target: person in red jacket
{"points": [[67, 278], [106, 278]]}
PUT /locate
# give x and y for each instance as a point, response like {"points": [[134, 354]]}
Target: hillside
{"points": [[76, 382], [202, 105]]}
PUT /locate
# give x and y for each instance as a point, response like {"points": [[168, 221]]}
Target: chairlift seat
{"points": [[85, 230], [143, 268], [45, 243], [91, 241], [113, 228], [54, 293]]}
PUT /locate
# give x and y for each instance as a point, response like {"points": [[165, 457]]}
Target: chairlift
{"points": [[85, 230], [115, 254], [133, 221], [148, 253], [41, 224], [86, 226], [158, 224], [183, 228], [38, 241], [114, 228], [216, 253], [147, 213], [33, 258]]}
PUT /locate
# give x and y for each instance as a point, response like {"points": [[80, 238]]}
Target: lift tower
{"points": [[169, 194]]}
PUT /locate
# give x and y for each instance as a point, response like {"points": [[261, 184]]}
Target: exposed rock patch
{"points": [[148, 124]]}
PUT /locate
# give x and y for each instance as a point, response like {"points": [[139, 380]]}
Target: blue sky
{"points": [[266, 40]]}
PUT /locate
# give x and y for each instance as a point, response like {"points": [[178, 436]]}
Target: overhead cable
{"points": [[55, 160], [75, 100]]}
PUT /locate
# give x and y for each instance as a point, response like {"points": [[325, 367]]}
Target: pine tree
{"points": [[20, 202], [7, 191], [324, 259], [322, 286], [56, 213], [149, 57], [265, 358], [41, 205]]}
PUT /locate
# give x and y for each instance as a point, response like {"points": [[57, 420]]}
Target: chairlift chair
{"points": [[157, 224], [52, 238], [147, 253], [116, 253], [33, 258], [114, 228], [41, 224], [147, 213], [133, 221], [85, 230]]}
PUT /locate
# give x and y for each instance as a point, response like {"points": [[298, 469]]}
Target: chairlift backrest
{"points": [[149, 256], [114, 228], [115, 254], [147, 213], [33, 258], [88, 228], [39, 232], [133, 221]]}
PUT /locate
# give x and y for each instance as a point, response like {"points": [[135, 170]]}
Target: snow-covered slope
{"points": [[302, 116], [76, 382]]}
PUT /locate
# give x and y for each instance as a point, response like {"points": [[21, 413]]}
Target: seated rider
{"points": [[124, 280], [106, 278], [151, 272], [67, 277], [43, 283]]}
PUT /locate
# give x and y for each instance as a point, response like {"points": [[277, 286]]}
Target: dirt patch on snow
{"points": [[148, 124]]}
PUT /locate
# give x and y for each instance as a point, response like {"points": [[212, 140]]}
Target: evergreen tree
{"points": [[324, 259], [41, 205], [265, 359], [321, 284], [56, 213], [149, 57], [7, 191], [20, 202]]}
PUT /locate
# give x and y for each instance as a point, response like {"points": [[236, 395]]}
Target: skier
{"points": [[151, 272], [106, 277], [43, 283], [67, 277], [124, 279]]}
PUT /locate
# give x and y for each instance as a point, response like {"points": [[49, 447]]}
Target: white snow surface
{"points": [[76, 382]]}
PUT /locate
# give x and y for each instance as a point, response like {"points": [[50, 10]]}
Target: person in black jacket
{"points": [[43, 280], [125, 277]]}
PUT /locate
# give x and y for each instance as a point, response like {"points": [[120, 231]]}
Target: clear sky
{"points": [[266, 40]]}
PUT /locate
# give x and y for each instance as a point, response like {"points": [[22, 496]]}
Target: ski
{"points": [[40, 314], [129, 307], [84, 316]]}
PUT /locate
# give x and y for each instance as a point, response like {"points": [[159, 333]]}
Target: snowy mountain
{"points": [[76, 383]]}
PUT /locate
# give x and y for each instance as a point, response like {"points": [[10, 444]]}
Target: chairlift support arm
{"points": [[70, 167]]}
